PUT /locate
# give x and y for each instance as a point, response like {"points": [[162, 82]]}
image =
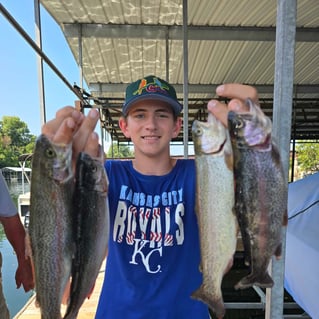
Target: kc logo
{"points": [[138, 251], [148, 225]]}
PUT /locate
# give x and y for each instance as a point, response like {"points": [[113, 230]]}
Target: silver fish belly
{"points": [[214, 209], [51, 224]]}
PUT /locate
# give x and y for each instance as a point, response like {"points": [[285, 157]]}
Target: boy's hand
{"points": [[237, 93], [69, 125]]}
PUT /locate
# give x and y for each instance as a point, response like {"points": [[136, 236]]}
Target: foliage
{"points": [[2, 233], [308, 156], [15, 140], [119, 151]]}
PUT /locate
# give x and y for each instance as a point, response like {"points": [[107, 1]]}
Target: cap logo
{"points": [[152, 87]]}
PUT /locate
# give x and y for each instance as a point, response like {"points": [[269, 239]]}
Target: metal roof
{"points": [[117, 42]]}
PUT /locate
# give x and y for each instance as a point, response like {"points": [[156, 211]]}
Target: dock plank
{"points": [[87, 311]]}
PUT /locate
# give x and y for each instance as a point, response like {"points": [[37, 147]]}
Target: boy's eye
{"points": [[139, 115], [162, 115]]}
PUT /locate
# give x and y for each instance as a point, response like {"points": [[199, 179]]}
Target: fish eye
{"points": [[93, 169], [199, 131], [239, 124], [50, 152]]}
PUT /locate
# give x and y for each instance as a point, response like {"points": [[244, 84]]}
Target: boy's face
{"points": [[151, 125]]}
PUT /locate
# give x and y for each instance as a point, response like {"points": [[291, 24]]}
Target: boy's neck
{"points": [[154, 165]]}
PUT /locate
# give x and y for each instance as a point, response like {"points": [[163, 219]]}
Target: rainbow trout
{"points": [[91, 229], [51, 223], [214, 208], [261, 192]]}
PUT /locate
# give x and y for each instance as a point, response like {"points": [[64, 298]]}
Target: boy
{"points": [[153, 258]]}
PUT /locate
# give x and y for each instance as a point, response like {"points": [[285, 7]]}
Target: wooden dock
{"points": [[87, 311]]}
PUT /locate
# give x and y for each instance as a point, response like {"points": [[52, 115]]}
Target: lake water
{"points": [[15, 298]]}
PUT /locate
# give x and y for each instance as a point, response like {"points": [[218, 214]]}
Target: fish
{"points": [[51, 223], [214, 208], [260, 192], [91, 229]]}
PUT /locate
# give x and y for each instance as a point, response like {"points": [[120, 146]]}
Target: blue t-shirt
{"points": [[153, 259]]}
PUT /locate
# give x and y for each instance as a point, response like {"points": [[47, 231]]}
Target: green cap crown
{"points": [[151, 88]]}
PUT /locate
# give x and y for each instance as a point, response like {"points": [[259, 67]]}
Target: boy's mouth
{"points": [[150, 137]]}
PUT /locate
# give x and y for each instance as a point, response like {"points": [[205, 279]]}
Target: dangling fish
{"points": [[51, 223], [260, 192], [214, 208], [91, 229]]}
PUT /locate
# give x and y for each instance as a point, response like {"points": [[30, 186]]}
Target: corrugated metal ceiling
{"points": [[229, 41]]}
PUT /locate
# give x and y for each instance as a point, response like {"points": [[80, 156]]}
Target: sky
{"points": [[18, 66], [19, 89]]}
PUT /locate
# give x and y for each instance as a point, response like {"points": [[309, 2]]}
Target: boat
{"points": [[24, 208], [20, 176]]}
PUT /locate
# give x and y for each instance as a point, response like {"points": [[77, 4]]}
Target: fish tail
{"points": [[215, 304], [264, 281], [71, 315]]}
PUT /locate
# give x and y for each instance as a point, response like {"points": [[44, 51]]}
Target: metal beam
{"points": [[283, 97], [200, 88], [258, 305], [185, 77], [38, 36], [160, 32]]}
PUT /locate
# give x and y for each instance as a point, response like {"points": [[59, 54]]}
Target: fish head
{"points": [[53, 160], [208, 137], [250, 129], [91, 173]]}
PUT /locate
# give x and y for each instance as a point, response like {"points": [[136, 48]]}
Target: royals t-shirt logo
{"points": [[148, 223]]}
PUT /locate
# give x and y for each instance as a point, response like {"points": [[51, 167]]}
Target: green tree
{"points": [[119, 151], [15, 139], [2, 234], [308, 156]]}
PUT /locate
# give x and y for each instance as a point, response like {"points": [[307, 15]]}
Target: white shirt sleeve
{"points": [[7, 207]]}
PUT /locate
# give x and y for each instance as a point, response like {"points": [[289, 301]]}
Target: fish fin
{"points": [[66, 293], [229, 265], [91, 292], [216, 305], [36, 303], [229, 159], [246, 260], [285, 219], [278, 251], [253, 280]]}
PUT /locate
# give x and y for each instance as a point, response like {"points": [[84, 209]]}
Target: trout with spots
{"points": [[261, 192], [214, 208], [51, 223], [91, 229]]}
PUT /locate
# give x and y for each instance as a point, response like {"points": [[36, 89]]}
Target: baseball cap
{"points": [[151, 88]]}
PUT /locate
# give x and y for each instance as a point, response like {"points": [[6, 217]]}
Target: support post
{"points": [[283, 96], [38, 37], [185, 82]]}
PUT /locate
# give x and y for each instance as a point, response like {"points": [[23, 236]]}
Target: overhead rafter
{"points": [[199, 88], [174, 32]]}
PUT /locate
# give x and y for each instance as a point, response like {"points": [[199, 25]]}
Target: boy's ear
{"points": [[123, 127], [178, 126]]}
